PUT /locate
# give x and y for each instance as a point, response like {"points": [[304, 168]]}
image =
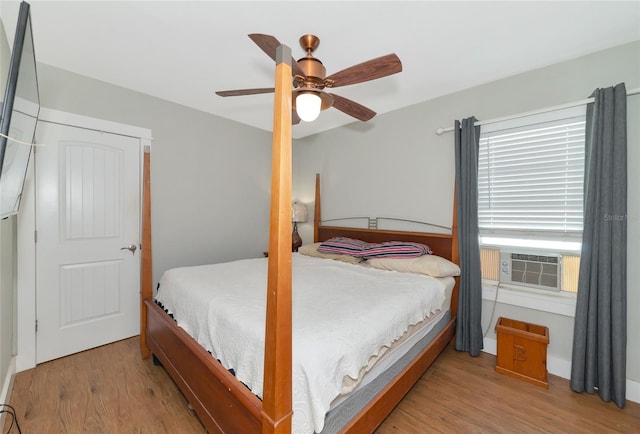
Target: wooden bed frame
{"points": [[224, 404]]}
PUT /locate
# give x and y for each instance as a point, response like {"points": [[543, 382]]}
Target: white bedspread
{"points": [[342, 315]]}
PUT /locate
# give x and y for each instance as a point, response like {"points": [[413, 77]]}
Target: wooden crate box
{"points": [[522, 350]]}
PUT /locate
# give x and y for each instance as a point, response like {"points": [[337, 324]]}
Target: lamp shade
{"points": [[308, 105], [298, 213]]}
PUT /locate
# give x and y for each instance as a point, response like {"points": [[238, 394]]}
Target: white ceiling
{"points": [[184, 51]]}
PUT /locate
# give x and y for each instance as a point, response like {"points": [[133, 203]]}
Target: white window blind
{"points": [[531, 174]]}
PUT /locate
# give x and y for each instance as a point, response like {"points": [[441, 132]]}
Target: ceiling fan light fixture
{"points": [[308, 106]]}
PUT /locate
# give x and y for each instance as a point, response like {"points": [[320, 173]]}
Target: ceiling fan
{"points": [[310, 80]]}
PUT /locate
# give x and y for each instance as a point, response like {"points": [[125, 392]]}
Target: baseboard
{"points": [[562, 368], [7, 387], [633, 391], [490, 346]]}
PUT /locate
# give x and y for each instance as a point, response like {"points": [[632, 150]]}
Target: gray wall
{"points": [[398, 166], [210, 177]]}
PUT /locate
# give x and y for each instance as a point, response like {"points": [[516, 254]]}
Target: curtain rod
{"points": [[440, 131]]}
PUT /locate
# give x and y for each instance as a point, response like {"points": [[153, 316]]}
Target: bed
{"points": [[223, 402]]}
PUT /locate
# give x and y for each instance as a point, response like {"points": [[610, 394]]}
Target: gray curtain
{"points": [[600, 333], [468, 324]]}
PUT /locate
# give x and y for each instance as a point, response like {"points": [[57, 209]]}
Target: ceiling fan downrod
{"points": [[313, 68]]}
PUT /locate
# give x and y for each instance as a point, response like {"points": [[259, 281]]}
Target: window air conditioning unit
{"points": [[532, 270]]}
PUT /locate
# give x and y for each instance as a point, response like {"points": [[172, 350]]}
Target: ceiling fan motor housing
{"points": [[315, 72]]}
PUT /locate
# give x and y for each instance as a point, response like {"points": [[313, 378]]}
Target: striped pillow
{"points": [[362, 249], [396, 249], [343, 246]]}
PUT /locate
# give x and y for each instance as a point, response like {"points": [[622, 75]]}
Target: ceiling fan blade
{"points": [[295, 119], [366, 71], [352, 108], [268, 44], [241, 92]]}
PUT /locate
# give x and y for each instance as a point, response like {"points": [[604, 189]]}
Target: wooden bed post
{"points": [[317, 218], [146, 278], [277, 391]]}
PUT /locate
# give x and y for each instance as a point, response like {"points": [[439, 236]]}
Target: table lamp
{"points": [[298, 215]]}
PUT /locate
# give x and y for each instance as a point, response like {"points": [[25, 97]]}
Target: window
{"points": [[530, 195]]}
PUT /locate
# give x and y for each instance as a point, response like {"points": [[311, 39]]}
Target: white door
{"points": [[87, 214]]}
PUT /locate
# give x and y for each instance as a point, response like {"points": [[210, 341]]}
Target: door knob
{"points": [[131, 247]]}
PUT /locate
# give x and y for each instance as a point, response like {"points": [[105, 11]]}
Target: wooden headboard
{"points": [[445, 245], [441, 244]]}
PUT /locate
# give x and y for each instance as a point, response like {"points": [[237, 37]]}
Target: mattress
{"points": [[344, 316], [388, 356], [343, 412]]}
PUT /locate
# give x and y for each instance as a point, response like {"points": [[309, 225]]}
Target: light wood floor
{"points": [[112, 390]]}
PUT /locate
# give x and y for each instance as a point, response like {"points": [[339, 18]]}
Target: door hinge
{"points": [[36, 326], [35, 236]]}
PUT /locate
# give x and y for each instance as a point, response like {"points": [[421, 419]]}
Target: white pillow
{"points": [[312, 250], [432, 265]]}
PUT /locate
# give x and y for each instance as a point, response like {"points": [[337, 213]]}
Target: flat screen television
{"points": [[20, 109]]}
